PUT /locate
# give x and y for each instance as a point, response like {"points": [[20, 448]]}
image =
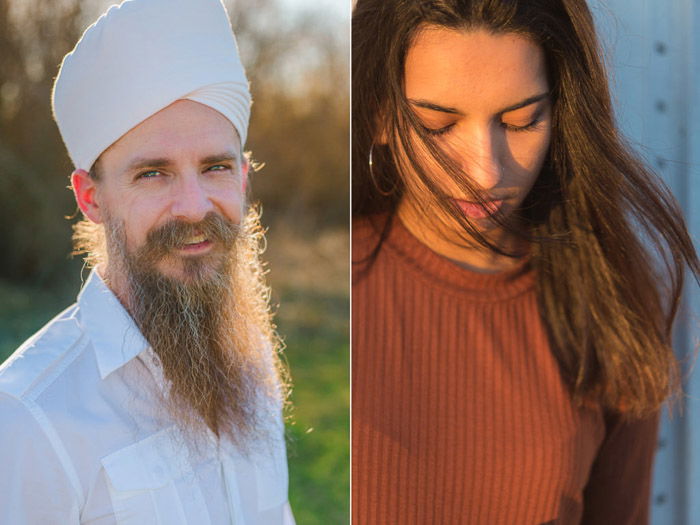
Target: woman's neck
{"points": [[476, 258]]}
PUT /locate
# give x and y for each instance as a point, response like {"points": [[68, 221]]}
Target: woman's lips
{"points": [[476, 210]]}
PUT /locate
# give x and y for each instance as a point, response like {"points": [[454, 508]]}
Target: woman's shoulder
{"points": [[366, 235]]}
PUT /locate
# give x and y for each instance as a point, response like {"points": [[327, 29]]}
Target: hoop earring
{"points": [[382, 192]]}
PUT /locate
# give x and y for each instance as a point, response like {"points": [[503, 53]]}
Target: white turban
{"points": [[140, 57]]}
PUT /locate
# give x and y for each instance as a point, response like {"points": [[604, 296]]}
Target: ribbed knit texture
{"points": [[459, 412]]}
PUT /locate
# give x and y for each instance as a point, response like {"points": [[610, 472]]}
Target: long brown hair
{"points": [[610, 246]]}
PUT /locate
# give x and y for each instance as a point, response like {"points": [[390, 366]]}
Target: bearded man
{"points": [[156, 398]]}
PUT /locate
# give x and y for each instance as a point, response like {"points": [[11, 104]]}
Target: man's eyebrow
{"points": [[143, 162], [226, 156], [162, 162], [446, 109]]}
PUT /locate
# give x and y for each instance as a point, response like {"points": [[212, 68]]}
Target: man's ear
{"points": [[85, 189], [245, 167]]}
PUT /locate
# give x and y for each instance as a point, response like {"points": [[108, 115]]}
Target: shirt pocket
{"points": [[272, 478], [142, 481], [256, 482]]}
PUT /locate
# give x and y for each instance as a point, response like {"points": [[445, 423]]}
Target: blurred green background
{"points": [[296, 54]]}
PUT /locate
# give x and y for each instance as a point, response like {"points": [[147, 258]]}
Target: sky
{"points": [[340, 8]]}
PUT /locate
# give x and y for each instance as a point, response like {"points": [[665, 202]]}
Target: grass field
{"points": [[311, 281], [310, 290]]}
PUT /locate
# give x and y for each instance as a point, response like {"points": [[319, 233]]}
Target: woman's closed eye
{"points": [[524, 119], [533, 124], [438, 131]]}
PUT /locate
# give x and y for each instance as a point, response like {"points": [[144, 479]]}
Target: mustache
{"points": [[175, 233]]}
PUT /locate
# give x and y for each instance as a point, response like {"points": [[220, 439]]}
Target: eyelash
{"points": [[439, 131], [526, 127], [508, 127], [143, 174], [223, 167]]}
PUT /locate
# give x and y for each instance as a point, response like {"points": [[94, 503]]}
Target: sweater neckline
{"points": [[447, 273]]}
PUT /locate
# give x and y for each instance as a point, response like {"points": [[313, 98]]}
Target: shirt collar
{"points": [[115, 337]]}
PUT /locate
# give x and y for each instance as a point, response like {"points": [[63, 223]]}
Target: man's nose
{"points": [[191, 201], [480, 159]]}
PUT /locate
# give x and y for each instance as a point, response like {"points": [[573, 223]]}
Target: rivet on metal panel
{"points": [[660, 106], [660, 48], [660, 163], [660, 499]]}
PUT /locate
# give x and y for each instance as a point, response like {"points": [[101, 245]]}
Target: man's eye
{"points": [[219, 167], [149, 174]]}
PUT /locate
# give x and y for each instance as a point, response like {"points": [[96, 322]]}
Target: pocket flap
{"points": [[150, 463]]}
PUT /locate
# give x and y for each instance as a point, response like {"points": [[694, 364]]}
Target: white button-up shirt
{"points": [[83, 439]]}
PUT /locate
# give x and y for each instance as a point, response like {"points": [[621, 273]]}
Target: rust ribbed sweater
{"points": [[459, 413]]}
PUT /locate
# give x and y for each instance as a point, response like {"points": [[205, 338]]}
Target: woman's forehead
{"points": [[474, 70]]}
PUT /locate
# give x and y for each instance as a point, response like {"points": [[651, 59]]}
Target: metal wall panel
{"points": [[653, 55]]}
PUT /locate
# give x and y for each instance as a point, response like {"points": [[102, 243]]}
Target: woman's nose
{"points": [[480, 159]]}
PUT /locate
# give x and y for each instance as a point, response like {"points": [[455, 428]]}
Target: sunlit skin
{"points": [[485, 99], [181, 163]]}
